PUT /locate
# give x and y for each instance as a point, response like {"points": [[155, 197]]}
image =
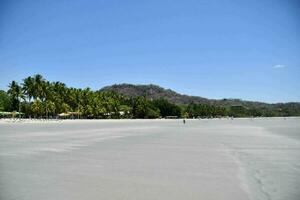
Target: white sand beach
{"points": [[255, 159]]}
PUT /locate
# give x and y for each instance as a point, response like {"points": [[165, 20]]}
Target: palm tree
{"points": [[49, 108], [37, 107], [46, 96], [15, 92], [38, 86], [28, 87]]}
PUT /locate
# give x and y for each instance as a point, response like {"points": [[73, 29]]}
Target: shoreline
{"points": [[127, 119]]}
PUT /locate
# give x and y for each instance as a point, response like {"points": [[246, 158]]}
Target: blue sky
{"points": [[215, 49]]}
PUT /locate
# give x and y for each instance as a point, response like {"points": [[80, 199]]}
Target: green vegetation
{"points": [[39, 98], [5, 101], [202, 110]]}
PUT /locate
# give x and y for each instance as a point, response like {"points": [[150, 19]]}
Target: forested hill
{"points": [[155, 92]]}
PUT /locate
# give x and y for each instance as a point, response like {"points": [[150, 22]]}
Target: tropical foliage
{"points": [[37, 97]]}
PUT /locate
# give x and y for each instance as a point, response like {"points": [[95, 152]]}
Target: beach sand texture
{"points": [[213, 159]]}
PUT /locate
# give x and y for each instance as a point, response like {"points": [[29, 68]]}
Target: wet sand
{"points": [[150, 159]]}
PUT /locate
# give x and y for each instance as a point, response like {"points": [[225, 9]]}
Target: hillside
{"points": [[155, 92]]}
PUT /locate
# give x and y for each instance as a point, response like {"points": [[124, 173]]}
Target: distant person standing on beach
{"points": [[183, 121]]}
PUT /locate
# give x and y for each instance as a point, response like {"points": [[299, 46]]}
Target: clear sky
{"points": [[212, 48]]}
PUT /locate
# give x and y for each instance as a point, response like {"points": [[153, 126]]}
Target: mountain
{"points": [[235, 105], [155, 92]]}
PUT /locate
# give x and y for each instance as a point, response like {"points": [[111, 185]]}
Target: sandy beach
{"points": [[251, 159]]}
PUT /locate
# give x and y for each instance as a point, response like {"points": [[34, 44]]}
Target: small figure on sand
{"points": [[183, 121]]}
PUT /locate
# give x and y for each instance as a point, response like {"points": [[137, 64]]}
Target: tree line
{"points": [[39, 98], [36, 97]]}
